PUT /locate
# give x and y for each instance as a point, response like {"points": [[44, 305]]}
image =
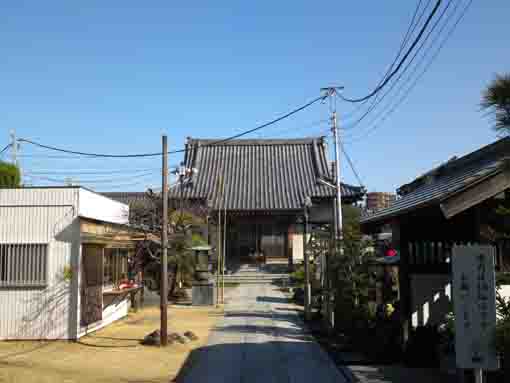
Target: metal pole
{"points": [[331, 93], [478, 375], [224, 248], [14, 154], [14, 148], [338, 217], [218, 268], [164, 249], [307, 266]]}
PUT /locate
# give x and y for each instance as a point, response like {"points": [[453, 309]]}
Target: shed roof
{"points": [[446, 180], [127, 197], [259, 174]]}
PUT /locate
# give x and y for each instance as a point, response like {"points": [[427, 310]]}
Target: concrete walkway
{"points": [[261, 339]]}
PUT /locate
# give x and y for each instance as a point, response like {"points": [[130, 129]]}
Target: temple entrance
{"points": [[256, 242]]}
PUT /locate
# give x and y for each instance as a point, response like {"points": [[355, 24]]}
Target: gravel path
{"points": [[261, 339]]}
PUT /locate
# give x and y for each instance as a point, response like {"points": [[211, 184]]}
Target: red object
{"points": [[391, 252]]}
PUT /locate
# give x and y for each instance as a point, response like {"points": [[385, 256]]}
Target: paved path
{"points": [[261, 339]]}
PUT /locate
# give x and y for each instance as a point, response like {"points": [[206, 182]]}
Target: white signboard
{"points": [[474, 301]]}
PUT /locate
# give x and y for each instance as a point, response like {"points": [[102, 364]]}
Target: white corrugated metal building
{"points": [[63, 251]]}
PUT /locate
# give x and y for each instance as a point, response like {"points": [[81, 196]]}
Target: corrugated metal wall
{"points": [[38, 197], [40, 216]]}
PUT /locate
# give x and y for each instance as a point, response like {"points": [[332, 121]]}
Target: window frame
{"points": [[114, 269], [35, 268]]}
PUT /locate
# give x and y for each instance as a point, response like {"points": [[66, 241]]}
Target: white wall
{"points": [[50, 215], [101, 208], [110, 314], [430, 298], [40, 216], [297, 244]]}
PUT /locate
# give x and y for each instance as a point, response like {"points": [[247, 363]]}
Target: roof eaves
{"points": [[474, 182]]}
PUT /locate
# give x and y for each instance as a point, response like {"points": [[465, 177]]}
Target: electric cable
{"points": [[6, 147], [86, 154], [377, 101], [402, 61], [422, 73]]}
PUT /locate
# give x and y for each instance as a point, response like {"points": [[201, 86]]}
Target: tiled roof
{"points": [[266, 174], [448, 179], [127, 197]]}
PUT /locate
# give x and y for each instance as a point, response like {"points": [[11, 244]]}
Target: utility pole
{"points": [[164, 249], [219, 241], [337, 243], [331, 94], [14, 153]]}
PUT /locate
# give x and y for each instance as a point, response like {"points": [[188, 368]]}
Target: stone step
{"points": [[260, 278], [275, 276], [255, 281]]}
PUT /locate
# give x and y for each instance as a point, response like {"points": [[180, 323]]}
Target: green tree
{"points": [[496, 100], [182, 236], [350, 269], [9, 175]]}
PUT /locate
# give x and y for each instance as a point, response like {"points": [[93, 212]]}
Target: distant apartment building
{"points": [[379, 200]]}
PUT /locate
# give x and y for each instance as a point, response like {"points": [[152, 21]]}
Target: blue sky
{"points": [[113, 76]]}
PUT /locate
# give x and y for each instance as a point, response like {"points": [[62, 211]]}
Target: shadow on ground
{"points": [[273, 299], [275, 361]]}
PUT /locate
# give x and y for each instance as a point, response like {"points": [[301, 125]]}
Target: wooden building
{"points": [[453, 203], [261, 185]]}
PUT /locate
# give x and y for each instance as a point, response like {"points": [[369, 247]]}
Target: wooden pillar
{"points": [[401, 242]]}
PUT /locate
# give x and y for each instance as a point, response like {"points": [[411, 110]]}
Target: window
{"points": [[115, 266], [23, 264]]}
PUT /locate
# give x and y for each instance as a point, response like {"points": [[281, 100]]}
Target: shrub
{"points": [[502, 278], [298, 276], [9, 175]]}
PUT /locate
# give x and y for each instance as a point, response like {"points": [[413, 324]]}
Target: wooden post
{"points": [[307, 267], [218, 264], [478, 375], [164, 249], [400, 241]]}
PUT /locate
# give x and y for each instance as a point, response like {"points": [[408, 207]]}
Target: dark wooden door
{"points": [[273, 240], [91, 284]]}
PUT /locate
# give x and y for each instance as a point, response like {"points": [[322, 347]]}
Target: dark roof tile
{"points": [[453, 177], [260, 174]]}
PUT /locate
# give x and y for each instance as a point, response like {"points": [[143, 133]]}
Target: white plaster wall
{"points": [[430, 298], [110, 314], [505, 291], [297, 243]]}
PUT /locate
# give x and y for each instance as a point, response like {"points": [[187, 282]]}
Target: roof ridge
{"points": [[254, 141], [454, 163]]}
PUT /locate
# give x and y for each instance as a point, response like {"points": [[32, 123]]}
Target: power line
{"points": [[402, 61], [102, 186], [351, 165], [86, 154], [410, 30], [4, 149], [311, 125], [133, 172], [422, 73], [66, 157], [377, 101], [97, 181]]}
